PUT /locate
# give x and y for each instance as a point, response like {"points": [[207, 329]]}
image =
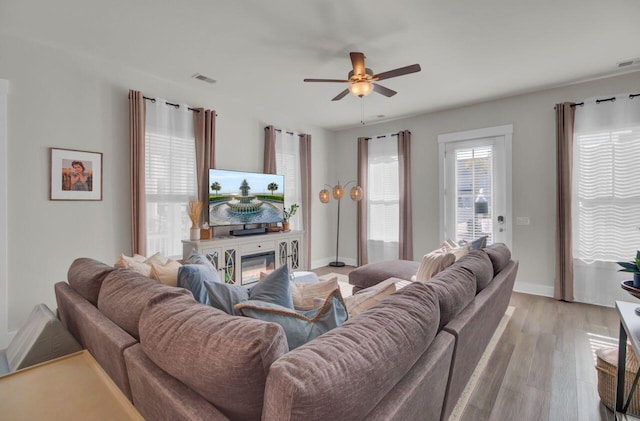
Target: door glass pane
{"points": [[474, 193]]}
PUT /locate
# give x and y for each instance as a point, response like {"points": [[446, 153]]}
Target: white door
{"points": [[476, 185]]}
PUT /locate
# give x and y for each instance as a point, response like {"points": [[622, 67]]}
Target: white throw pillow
{"points": [[433, 263], [304, 293], [166, 274]]}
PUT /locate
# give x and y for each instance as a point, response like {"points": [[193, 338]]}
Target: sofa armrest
{"points": [[103, 338]]}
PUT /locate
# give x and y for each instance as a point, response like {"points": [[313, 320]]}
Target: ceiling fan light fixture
{"points": [[360, 89]]}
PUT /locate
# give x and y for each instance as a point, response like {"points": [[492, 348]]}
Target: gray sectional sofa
{"points": [[408, 357]]}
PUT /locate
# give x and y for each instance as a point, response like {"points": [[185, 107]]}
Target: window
{"points": [[288, 164], [383, 199], [606, 185], [170, 176]]}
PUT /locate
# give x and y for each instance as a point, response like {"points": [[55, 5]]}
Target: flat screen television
{"points": [[242, 198]]}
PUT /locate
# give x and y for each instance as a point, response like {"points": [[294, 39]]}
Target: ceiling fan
{"points": [[361, 79]]}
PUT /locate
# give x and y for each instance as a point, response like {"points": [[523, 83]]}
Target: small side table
{"points": [[629, 330], [73, 387]]}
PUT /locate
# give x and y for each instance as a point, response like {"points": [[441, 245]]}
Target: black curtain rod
{"points": [[195, 110], [279, 130], [384, 135], [598, 101]]}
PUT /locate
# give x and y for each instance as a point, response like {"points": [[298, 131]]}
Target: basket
{"points": [[607, 367]]}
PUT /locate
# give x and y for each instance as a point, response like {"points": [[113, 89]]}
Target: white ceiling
{"points": [[469, 51]]}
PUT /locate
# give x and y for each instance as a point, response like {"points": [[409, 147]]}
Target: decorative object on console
{"points": [[356, 195], [194, 210], [287, 214], [75, 175]]}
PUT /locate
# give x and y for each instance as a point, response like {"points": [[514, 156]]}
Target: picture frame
{"points": [[75, 175]]}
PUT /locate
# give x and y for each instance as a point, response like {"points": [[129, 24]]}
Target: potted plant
{"points": [[633, 267], [288, 213]]}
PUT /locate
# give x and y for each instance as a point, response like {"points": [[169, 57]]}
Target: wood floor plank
{"points": [[534, 405], [589, 406], [564, 395], [541, 370]]}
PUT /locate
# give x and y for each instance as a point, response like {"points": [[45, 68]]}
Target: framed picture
{"points": [[75, 175]]}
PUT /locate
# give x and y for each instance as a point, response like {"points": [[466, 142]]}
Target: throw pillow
{"points": [[136, 263], [224, 296], [434, 262], [304, 294], [157, 258], [457, 250], [166, 274], [478, 243], [275, 288], [194, 277], [367, 298], [197, 258], [299, 327]]}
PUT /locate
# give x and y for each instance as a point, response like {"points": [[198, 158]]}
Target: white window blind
{"points": [[383, 193], [170, 176], [288, 164], [474, 193], [606, 187]]}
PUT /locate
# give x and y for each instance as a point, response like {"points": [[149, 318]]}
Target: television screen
{"points": [[238, 198]]}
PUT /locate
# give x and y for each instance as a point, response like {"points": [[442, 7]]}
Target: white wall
{"points": [[534, 167], [61, 99]]}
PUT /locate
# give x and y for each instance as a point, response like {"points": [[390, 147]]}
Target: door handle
{"points": [[500, 219]]}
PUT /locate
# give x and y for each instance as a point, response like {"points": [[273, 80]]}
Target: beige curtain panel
{"points": [[305, 173], [565, 114], [269, 166], [204, 129], [363, 175], [137, 113], [405, 247]]}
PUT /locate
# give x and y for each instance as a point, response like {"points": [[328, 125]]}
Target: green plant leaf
{"points": [[631, 266], [637, 264]]}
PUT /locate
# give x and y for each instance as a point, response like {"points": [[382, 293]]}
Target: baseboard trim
{"points": [[534, 289]]}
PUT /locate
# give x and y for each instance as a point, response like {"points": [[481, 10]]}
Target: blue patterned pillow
{"points": [[299, 326], [194, 277], [274, 289]]}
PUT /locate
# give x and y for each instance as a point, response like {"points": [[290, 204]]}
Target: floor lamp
{"points": [[338, 192]]}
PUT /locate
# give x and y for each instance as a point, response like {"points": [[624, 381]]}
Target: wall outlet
{"points": [[523, 220]]}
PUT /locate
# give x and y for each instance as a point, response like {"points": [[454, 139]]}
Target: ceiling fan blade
{"points": [[397, 72], [326, 80], [357, 60], [341, 95], [382, 90]]}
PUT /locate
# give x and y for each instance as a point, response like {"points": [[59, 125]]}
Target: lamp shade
{"points": [[361, 89], [338, 192], [356, 193], [324, 196]]}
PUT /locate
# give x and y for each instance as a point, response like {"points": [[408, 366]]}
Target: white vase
{"points": [[194, 233]]}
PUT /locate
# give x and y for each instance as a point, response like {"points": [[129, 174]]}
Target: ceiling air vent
{"points": [[627, 63], [203, 78]]}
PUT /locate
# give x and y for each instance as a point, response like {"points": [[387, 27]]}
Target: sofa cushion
{"points": [[86, 276], [224, 358], [193, 277], [346, 372], [374, 273], [455, 289], [125, 293], [299, 326], [500, 256], [304, 294], [136, 262], [434, 262], [478, 262]]}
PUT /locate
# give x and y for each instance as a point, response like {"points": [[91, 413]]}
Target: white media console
{"points": [[239, 260]]}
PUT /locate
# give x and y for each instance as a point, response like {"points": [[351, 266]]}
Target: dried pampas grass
{"points": [[194, 210]]}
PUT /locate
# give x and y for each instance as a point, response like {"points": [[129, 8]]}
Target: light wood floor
{"points": [[543, 366]]}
